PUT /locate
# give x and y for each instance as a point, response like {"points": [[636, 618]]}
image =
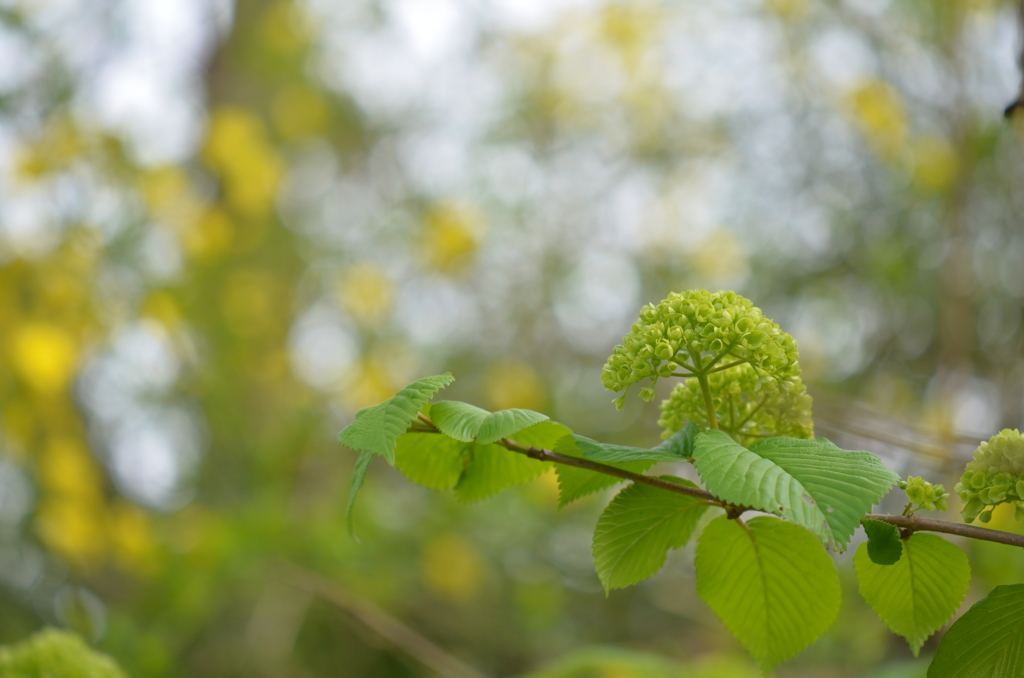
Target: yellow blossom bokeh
{"points": [[453, 568], [45, 356]]}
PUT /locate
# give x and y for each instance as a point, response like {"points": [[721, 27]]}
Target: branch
{"points": [[547, 455], [912, 522], [383, 624], [725, 367], [728, 351], [919, 524]]}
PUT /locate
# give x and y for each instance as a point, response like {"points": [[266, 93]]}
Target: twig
{"points": [[385, 625], [913, 522], [725, 367], [919, 524], [547, 455]]}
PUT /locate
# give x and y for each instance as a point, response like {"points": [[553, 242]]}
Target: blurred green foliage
{"points": [[52, 653], [368, 192]]}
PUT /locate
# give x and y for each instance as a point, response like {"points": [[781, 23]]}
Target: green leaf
{"points": [[376, 429], [987, 641], [544, 435], [675, 449], [358, 476], [473, 470], [637, 529], [575, 483], [506, 423], [492, 468], [432, 459], [467, 423], [458, 420], [918, 594], [810, 482], [772, 585], [884, 544], [682, 441]]}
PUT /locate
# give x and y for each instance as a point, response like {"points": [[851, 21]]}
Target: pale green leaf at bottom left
{"points": [[55, 654], [771, 583]]}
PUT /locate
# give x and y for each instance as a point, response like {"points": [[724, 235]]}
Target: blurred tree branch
{"points": [[913, 522], [375, 618]]}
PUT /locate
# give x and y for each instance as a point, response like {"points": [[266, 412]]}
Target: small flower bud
{"points": [[971, 509], [664, 351]]}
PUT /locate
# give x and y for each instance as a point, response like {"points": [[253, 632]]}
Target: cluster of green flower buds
{"points": [[923, 495], [695, 331], [995, 475], [744, 412]]}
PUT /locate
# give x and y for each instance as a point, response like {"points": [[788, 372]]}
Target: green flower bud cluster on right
{"points": [[744, 412], [923, 495], [696, 332], [995, 475]]}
